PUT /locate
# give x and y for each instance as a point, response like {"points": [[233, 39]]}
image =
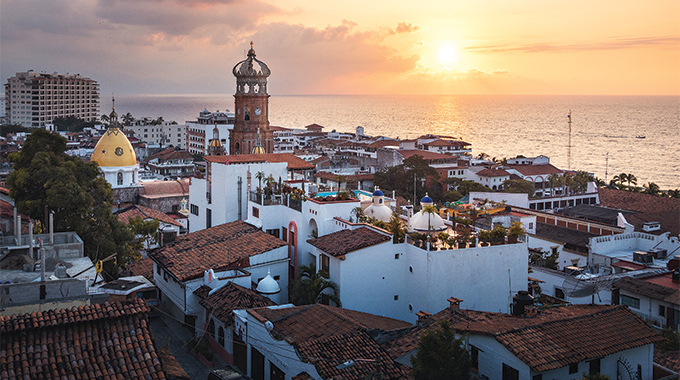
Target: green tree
{"points": [[128, 119], [71, 123], [519, 186], [6, 129], [145, 232], [652, 188], [440, 355], [597, 376], [312, 287], [260, 176], [45, 178]]}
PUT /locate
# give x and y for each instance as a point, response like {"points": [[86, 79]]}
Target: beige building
{"points": [[34, 99]]}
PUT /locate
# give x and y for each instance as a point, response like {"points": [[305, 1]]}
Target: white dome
{"points": [[379, 211], [268, 285], [424, 222]]}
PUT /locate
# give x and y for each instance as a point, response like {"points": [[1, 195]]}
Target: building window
{"points": [[256, 212], [158, 268], [531, 225], [396, 297], [194, 209], [220, 336], [165, 276], [275, 373], [474, 357], [594, 366], [325, 264], [537, 377], [573, 367], [510, 373], [662, 310], [211, 328], [284, 234], [396, 256], [559, 293], [274, 232], [120, 179], [630, 301], [208, 218]]}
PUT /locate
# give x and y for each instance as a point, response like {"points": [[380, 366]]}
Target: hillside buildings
{"points": [[35, 99]]}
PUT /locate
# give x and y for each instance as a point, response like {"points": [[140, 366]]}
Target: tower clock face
{"points": [[258, 111]]}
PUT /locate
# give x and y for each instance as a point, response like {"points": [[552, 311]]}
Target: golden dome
{"points": [[258, 149], [215, 143], [114, 149]]}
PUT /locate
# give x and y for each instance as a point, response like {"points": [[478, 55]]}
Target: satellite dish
{"points": [[586, 284]]}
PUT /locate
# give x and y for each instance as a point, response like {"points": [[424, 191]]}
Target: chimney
{"points": [[423, 316], [454, 303]]}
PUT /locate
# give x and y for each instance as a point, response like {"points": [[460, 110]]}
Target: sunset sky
{"points": [[605, 47]]}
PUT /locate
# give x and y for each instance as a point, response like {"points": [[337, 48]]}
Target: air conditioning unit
{"points": [[643, 257], [651, 226], [658, 253]]}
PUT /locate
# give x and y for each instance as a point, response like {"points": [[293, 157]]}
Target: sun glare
{"points": [[447, 54]]}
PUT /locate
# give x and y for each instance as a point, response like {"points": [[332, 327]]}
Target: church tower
{"points": [[252, 107]]}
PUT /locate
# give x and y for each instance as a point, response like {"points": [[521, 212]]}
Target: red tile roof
{"points": [[327, 353], [99, 341], [142, 267], [383, 143], [144, 213], [157, 189], [302, 376], [230, 297], [493, 173], [344, 241], [441, 142], [293, 162], [649, 208], [426, 155], [555, 338], [303, 323], [648, 288], [530, 170], [172, 368], [219, 248], [171, 154]]}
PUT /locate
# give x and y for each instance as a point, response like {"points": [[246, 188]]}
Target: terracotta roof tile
{"points": [[171, 154], [529, 170], [426, 155], [104, 341], [327, 353], [442, 142], [171, 366], [232, 297], [555, 338], [218, 247], [142, 267], [649, 289], [342, 242], [155, 189], [303, 323], [302, 376], [493, 173], [135, 211], [293, 162], [649, 208]]}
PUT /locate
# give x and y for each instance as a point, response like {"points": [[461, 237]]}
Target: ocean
{"points": [[612, 134]]}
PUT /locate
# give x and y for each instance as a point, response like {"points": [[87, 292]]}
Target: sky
{"points": [[578, 47]]}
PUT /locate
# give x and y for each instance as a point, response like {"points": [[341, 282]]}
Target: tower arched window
{"points": [[120, 179], [247, 117]]}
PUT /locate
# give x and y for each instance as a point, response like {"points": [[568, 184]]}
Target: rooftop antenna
{"points": [[569, 143], [606, 167]]}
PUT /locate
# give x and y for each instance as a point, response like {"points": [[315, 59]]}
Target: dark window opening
{"points": [[573, 367], [510, 373]]}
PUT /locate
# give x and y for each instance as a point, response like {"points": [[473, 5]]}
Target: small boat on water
{"points": [[640, 137]]}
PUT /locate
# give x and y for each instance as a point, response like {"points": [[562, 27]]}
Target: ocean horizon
{"points": [[610, 134]]}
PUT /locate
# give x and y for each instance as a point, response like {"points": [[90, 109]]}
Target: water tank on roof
{"points": [[521, 300]]}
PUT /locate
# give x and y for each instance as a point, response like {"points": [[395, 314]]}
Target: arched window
{"points": [[120, 179], [211, 328], [247, 117], [220, 336]]}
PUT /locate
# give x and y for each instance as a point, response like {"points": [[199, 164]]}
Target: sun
{"points": [[448, 54]]}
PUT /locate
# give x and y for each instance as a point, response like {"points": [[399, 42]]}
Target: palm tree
{"points": [[396, 228], [312, 287], [674, 193], [630, 178], [599, 182], [104, 118], [128, 119], [619, 179], [652, 188], [260, 176], [358, 212]]}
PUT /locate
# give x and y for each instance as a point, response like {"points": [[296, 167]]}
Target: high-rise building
{"points": [[251, 129], [35, 99]]}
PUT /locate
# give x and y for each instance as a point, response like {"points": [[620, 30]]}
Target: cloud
{"points": [[608, 44]]}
